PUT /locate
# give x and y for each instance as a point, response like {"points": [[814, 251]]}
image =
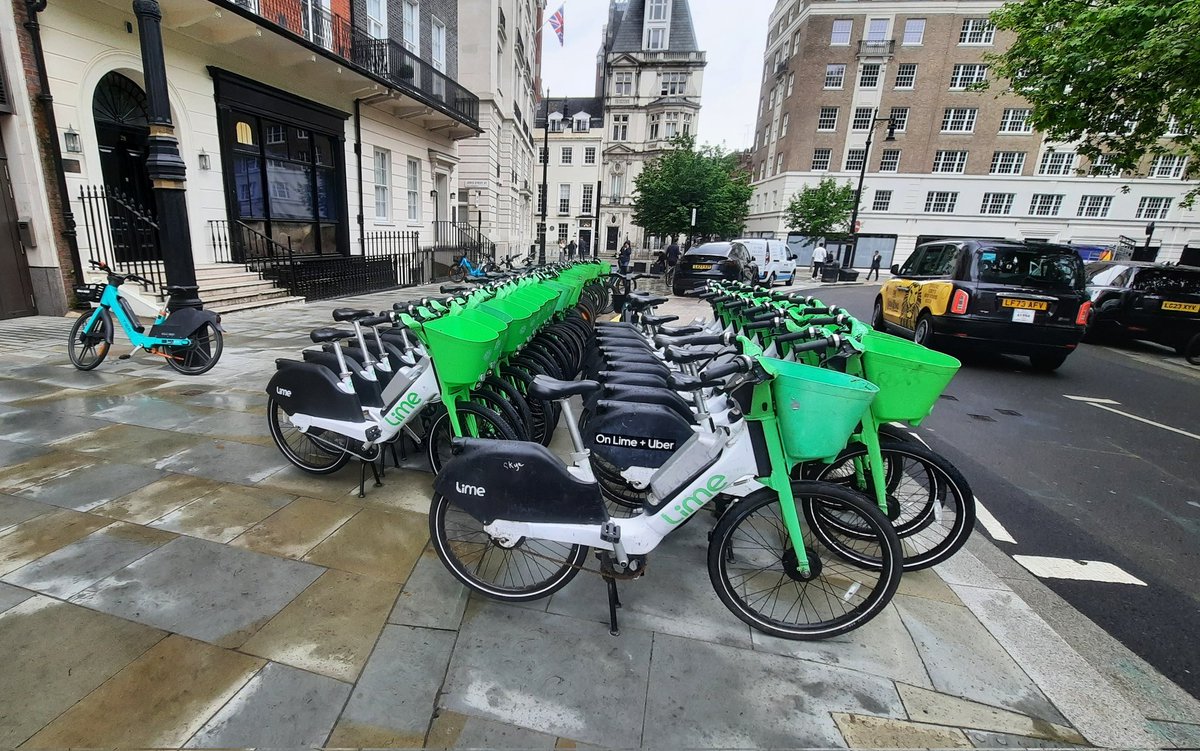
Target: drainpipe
{"points": [[32, 9]]}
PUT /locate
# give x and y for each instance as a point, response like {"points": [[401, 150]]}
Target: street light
{"points": [[862, 173]]}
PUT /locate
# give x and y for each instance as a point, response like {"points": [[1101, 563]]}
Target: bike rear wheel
{"points": [[87, 349], [487, 424], [316, 451], [1192, 351], [201, 355], [755, 573]]}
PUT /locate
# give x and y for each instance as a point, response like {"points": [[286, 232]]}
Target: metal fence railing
{"points": [[121, 233]]}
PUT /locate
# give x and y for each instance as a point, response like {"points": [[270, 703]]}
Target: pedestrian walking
{"points": [[875, 261], [820, 255], [562, 249], [624, 256], [571, 247]]}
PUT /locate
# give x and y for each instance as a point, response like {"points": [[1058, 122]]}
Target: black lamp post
{"points": [[164, 165], [862, 173]]}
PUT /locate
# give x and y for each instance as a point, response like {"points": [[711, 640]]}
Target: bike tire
{"points": [[304, 452], [87, 350], [514, 397], [1192, 351], [459, 539], [501, 406], [488, 425], [756, 521], [458, 274], [201, 355], [541, 410]]}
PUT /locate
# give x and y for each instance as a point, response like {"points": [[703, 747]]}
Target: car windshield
{"points": [[1168, 282], [1049, 267], [710, 249]]}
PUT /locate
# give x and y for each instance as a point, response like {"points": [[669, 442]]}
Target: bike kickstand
{"points": [[362, 479], [613, 604], [375, 474], [395, 459]]}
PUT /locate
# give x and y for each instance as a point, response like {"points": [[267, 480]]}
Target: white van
{"points": [[776, 263]]}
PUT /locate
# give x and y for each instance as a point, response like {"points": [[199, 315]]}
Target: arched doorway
{"points": [[122, 131]]}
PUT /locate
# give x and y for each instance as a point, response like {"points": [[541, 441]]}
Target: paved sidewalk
{"points": [[168, 580]]}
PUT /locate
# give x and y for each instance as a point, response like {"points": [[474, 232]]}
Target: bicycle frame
{"points": [[111, 301]]}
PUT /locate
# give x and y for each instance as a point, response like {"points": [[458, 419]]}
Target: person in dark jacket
{"points": [[875, 261], [624, 256]]}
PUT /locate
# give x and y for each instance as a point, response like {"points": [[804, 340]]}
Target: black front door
{"points": [[614, 234], [16, 291], [123, 131]]}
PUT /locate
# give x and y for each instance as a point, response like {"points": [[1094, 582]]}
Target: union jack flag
{"points": [[556, 23]]}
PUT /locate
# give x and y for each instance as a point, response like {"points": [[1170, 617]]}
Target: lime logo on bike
{"points": [[695, 501], [402, 410]]}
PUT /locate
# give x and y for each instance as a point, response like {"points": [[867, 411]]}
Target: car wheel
{"points": [[1048, 362], [877, 321], [771, 281], [923, 333], [1091, 332]]}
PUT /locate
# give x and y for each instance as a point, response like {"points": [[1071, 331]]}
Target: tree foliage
{"points": [[707, 179], [821, 209], [1111, 75]]}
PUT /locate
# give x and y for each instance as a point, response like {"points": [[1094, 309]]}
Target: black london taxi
{"points": [[1143, 300]]}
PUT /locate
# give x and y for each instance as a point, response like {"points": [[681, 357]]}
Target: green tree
{"points": [[821, 209], [707, 179], [1120, 77]]}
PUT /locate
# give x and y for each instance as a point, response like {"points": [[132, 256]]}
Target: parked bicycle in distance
{"points": [[190, 340], [463, 269]]}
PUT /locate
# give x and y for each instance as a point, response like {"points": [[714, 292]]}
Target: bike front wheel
{"points": [[755, 572], [527, 570], [88, 348], [201, 355], [458, 274], [1192, 351], [486, 424]]}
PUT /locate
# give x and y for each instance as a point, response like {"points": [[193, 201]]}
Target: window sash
{"points": [[377, 19], [959, 120], [1094, 206], [827, 119], [862, 118], [439, 46], [589, 155], [821, 159], [1057, 163], [899, 118], [564, 199], [658, 10], [1153, 207], [1015, 120], [965, 75], [1167, 165], [835, 75], [383, 185], [840, 35], [997, 203], [906, 76], [976, 31], [586, 203], [868, 77], [914, 31], [940, 202], [882, 200], [414, 190], [1045, 204], [889, 160], [950, 162], [1007, 162], [412, 21], [855, 159]]}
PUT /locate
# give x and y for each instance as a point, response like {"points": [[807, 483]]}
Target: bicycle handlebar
{"points": [[663, 340], [739, 364], [768, 323]]}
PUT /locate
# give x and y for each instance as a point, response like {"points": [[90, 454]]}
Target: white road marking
{"points": [[1148, 422], [992, 524], [1068, 568], [1091, 399]]}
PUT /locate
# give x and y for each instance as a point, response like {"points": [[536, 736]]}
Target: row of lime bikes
{"points": [[785, 418]]}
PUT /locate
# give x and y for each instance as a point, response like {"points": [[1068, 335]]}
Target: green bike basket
{"points": [[516, 318], [817, 409], [910, 377], [462, 349]]}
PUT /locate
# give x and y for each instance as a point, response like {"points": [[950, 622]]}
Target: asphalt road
{"points": [[1068, 479]]}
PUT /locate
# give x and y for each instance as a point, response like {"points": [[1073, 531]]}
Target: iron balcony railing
{"points": [[875, 47], [386, 59]]}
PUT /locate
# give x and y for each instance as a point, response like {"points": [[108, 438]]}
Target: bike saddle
{"points": [[329, 335], [447, 289], [681, 330], [653, 320], [676, 354], [552, 389], [342, 315], [684, 382]]}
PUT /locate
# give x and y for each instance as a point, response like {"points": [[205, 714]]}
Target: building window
{"points": [[976, 31], [673, 84], [582, 124], [563, 231], [620, 129], [383, 185], [438, 42], [412, 27], [779, 164], [821, 157], [542, 152], [1095, 206], [655, 39], [1152, 207], [671, 124], [589, 191], [1015, 121], [564, 199], [658, 10], [877, 29], [567, 154], [414, 190], [855, 159], [835, 75], [687, 123], [906, 75], [1008, 162], [890, 160], [898, 118], [377, 19], [589, 155], [1167, 165], [940, 202], [623, 83], [1057, 163], [862, 118], [827, 119], [997, 203], [541, 202], [1045, 204], [914, 31], [840, 37], [959, 120], [783, 125], [556, 123], [882, 200], [868, 76], [1103, 165], [950, 162], [965, 75], [791, 83]]}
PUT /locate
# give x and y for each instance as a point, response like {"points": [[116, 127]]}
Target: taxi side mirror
{"points": [[896, 269]]}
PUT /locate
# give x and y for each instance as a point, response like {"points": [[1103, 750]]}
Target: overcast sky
{"points": [[734, 42]]}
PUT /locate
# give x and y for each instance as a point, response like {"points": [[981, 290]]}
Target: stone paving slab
{"points": [[157, 499], [280, 707], [224, 513], [453, 730], [11, 596], [225, 461], [432, 597], [12, 452], [14, 510], [374, 543], [931, 707], [89, 485], [864, 731], [28, 541], [297, 528], [45, 426], [200, 589]]}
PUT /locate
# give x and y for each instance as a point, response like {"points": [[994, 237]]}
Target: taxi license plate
{"points": [[1182, 307], [702, 267], [1024, 304]]}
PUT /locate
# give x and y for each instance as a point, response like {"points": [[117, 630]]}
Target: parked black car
{"points": [[712, 262], [1000, 295], [1142, 300]]}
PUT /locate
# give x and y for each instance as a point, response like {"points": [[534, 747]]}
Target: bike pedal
{"points": [[124, 357]]}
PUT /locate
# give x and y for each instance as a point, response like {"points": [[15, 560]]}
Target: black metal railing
{"points": [[384, 58], [868, 47], [463, 238], [389, 260], [121, 233]]}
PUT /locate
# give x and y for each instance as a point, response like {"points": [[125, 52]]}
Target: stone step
{"points": [[235, 295], [257, 304], [248, 285]]}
